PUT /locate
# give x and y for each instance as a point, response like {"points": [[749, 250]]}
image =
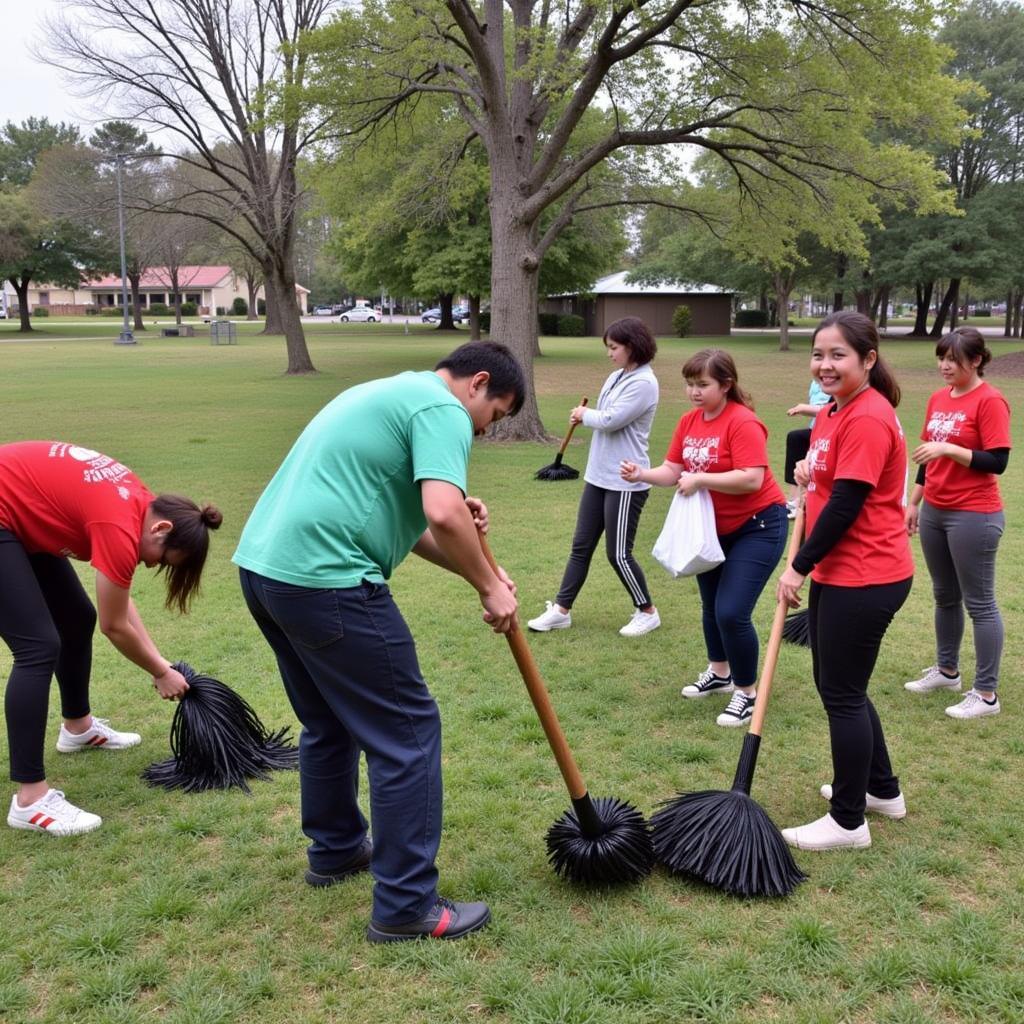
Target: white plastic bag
{"points": [[688, 543]]}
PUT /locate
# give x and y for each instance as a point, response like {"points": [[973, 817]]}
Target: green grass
{"points": [[192, 910]]}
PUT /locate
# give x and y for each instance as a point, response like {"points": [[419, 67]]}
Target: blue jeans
{"points": [[348, 663], [729, 592]]}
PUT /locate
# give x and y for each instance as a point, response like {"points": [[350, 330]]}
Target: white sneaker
{"points": [[707, 682], [551, 619], [52, 814], [642, 622], [99, 735], [895, 808], [827, 834], [933, 679], [974, 705], [738, 711], [791, 507]]}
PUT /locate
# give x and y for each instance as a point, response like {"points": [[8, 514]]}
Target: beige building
{"points": [[209, 288]]}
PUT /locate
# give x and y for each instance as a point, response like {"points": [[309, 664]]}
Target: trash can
{"points": [[222, 332]]}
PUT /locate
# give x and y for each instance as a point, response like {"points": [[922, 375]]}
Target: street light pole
{"points": [[125, 337]]}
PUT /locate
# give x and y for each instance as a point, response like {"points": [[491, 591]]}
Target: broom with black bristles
{"points": [[557, 471], [218, 741], [601, 841], [726, 839]]}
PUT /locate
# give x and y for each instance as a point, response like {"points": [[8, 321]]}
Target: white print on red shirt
{"points": [[944, 425], [816, 459], [101, 469], [700, 453]]}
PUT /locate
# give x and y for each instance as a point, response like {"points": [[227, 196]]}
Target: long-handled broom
{"points": [[726, 839], [601, 841], [556, 471]]}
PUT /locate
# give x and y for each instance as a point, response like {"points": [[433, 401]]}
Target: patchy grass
{"points": [[192, 908]]}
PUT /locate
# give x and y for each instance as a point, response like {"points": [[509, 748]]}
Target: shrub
{"points": [[158, 308], [571, 326], [221, 311], [982, 311], [113, 311], [751, 318], [239, 307], [485, 320], [189, 309], [40, 311], [91, 311], [261, 307], [681, 318], [547, 323]]}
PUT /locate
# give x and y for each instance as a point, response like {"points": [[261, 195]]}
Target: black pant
{"points": [[47, 620], [616, 514], [847, 625], [798, 443]]}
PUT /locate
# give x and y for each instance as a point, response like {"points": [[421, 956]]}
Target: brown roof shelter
{"points": [[613, 297]]}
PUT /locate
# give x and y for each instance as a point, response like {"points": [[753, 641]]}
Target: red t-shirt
{"points": [[60, 499], [734, 439], [978, 420], [862, 441]]}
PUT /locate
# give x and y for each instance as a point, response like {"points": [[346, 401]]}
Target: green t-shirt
{"points": [[345, 505]]}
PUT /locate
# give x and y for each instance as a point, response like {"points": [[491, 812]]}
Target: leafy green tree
{"points": [[796, 84], [21, 145]]}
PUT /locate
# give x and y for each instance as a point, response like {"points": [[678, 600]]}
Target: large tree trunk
{"points": [[948, 301], [923, 297], [252, 285], [134, 281], [1008, 320], [1018, 302], [474, 318], [881, 308], [21, 290], [446, 323], [863, 299], [287, 305], [837, 296], [783, 286], [514, 265], [273, 324]]}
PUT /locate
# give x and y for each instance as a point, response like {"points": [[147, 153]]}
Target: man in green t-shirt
{"points": [[379, 472]]}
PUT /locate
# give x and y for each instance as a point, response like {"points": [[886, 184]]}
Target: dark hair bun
{"points": [[212, 516]]}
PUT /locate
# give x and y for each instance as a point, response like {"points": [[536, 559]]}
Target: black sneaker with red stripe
{"points": [[446, 919]]}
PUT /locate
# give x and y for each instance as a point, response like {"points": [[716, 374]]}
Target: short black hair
{"points": [[965, 344], [632, 332], [507, 377]]}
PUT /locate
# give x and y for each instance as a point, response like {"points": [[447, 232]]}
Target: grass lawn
{"points": [[192, 909]]}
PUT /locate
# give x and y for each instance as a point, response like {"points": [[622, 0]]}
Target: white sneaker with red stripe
{"points": [[52, 814], [98, 735]]}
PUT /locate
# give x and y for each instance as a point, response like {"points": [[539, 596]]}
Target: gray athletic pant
{"points": [[960, 552]]}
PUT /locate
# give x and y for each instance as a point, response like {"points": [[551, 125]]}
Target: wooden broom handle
{"points": [[541, 701], [771, 656], [568, 433]]}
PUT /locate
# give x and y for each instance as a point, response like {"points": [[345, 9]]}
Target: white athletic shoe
{"points": [[895, 808], [827, 834], [933, 679], [738, 711], [641, 623], [707, 683], [99, 736], [52, 814], [974, 705], [551, 619]]}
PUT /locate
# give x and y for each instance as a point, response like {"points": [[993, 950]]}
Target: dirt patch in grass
{"points": [[1010, 365]]}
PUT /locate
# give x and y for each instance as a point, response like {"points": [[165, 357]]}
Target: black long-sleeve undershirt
{"points": [[841, 509], [988, 460]]}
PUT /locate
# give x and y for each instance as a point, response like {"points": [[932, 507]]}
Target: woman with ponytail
{"points": [[61, 501], [858, 556]]}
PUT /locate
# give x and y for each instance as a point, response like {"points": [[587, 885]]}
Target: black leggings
{"points": [[847, 625], [616, 514], [47, 620], [798, 443]]}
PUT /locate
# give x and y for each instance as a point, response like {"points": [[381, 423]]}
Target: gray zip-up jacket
{"points": [[622, 425]]}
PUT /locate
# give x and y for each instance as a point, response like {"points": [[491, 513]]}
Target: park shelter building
{"points": [[209, 287], [613, 297]]}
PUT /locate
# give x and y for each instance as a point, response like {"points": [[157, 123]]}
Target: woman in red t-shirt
{"points": [[858, 556], [61, 501], [966, 446], [721, 447]]}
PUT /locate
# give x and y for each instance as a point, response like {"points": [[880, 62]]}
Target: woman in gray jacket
{"points": [[610, 505]]}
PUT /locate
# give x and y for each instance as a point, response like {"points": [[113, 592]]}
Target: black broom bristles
{"points": [[726, 839], [557, 471], [218, 741], [797, 628]]}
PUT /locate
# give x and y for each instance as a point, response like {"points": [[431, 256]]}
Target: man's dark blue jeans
{"points": [[349, 667]]}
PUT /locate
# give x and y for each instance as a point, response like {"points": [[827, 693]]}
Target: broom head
{"points": [[726, 840], [611, 849], [557, 471], [797, 628]]}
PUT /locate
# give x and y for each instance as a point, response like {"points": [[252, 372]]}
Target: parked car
{"points": [[460, 314], [360, 315], [3, 313], [323, 311], [431, 316]]}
